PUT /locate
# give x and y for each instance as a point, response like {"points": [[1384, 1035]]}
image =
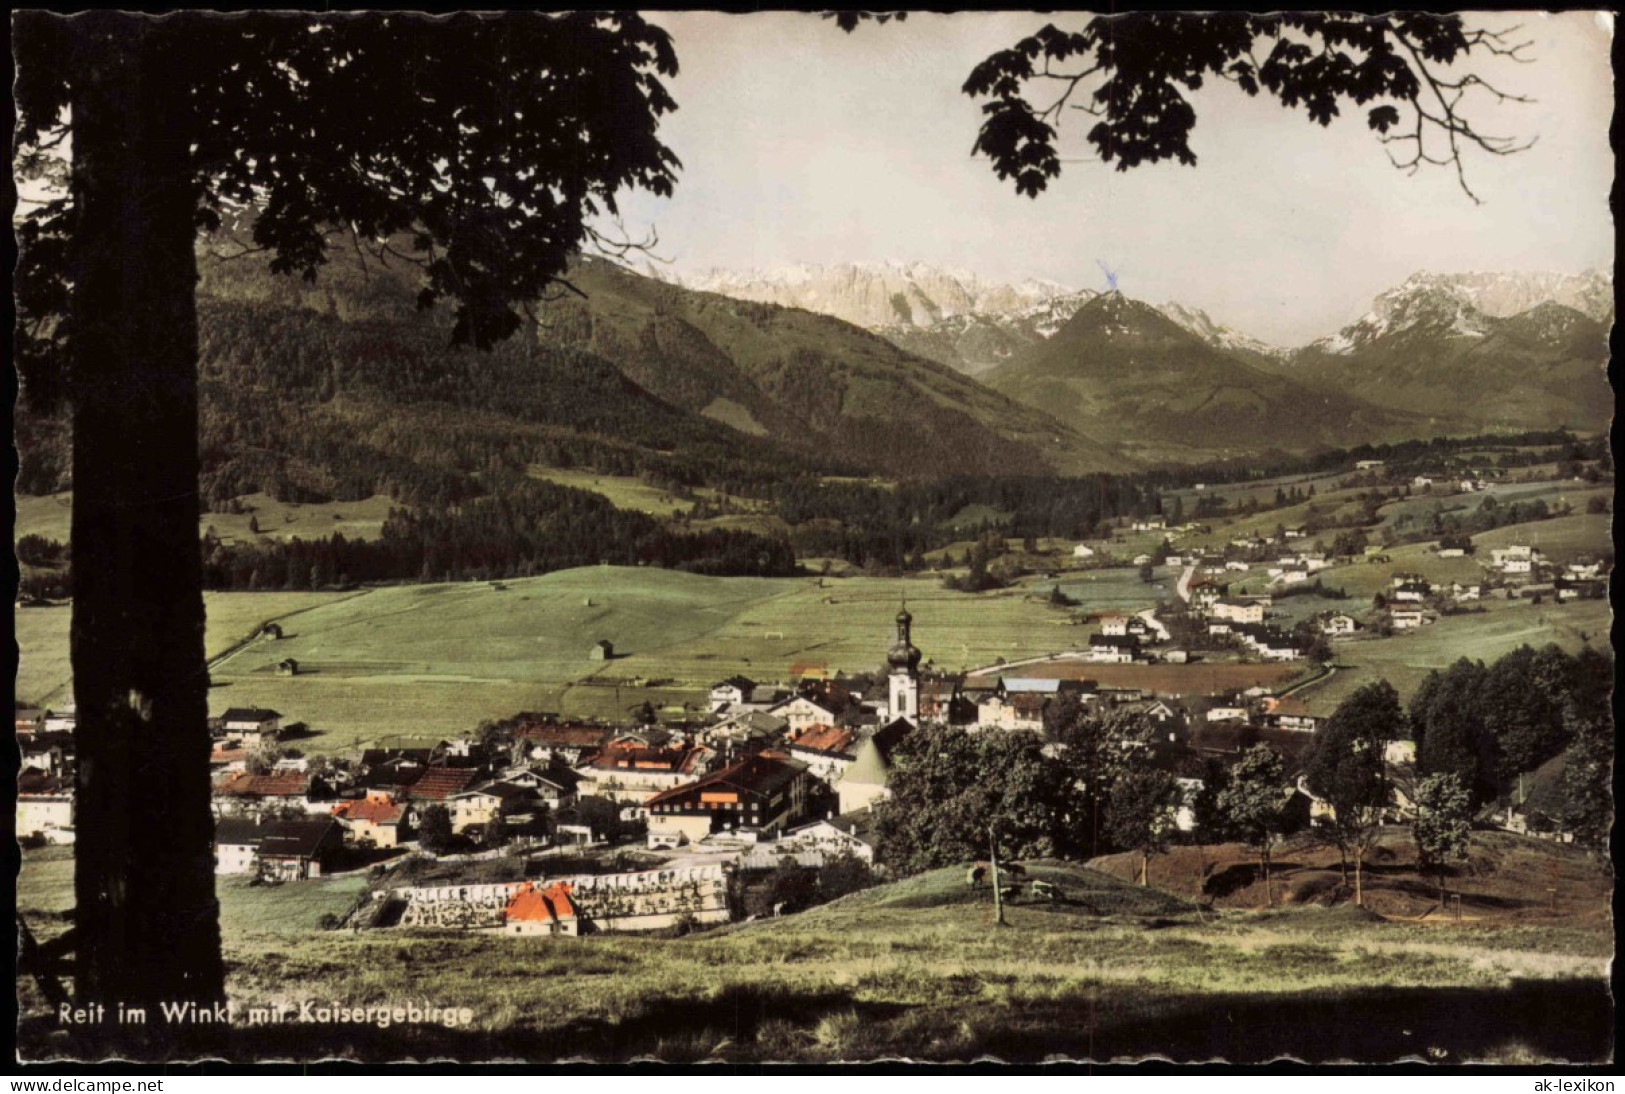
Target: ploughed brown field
{"points": [[1202, 678], [1504, 880]]}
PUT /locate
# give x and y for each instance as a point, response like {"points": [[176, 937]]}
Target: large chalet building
{"points": [[764, 790]]}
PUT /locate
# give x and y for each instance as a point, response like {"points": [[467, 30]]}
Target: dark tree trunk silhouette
{"points": [[144, 878]]}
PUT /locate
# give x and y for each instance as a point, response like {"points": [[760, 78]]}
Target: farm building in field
{"points": [[1113, 648], [1113, 623], [255, 727], [1406, 619], [287, 667], [601, 650], [1413, 592], [299, 849]]}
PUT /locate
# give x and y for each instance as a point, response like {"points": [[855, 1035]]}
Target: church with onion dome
{"points": [[903, 672]]}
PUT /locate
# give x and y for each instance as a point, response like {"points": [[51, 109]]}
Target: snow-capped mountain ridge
{"points": [[1469, 305], [876, 294], [1199, 323]]}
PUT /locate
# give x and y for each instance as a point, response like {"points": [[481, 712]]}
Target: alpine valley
{"points": [[1439, 354], [858, 411]]}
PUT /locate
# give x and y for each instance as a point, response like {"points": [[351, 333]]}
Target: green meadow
{"points": [[418, 661], [43, 675], [50, 516], [918, 968], [1405, 658]]}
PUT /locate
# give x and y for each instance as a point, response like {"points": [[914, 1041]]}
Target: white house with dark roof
{"points": [[1238, 611], [731, 692], [1338, 625]]}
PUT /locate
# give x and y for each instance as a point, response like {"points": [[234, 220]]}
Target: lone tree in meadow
{"points": [[1346, 769], [1140, 815], [1255, 805], [1444, 821], [949, 788], [474, 147]]}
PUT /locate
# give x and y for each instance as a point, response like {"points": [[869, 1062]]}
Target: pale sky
{"points": [[804, 144]]}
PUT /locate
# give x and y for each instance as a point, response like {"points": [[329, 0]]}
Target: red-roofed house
{"points": [[566, 742], [629, 773], [549, 911], [377, 818], [244, 791], [826, 750], [1290, 713], [439, 783]]}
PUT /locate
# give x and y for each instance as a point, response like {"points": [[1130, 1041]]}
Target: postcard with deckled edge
{"points": [[810, 538]]}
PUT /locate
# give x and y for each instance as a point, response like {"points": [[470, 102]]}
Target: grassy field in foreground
{"points": [[248, 913], [918, 969]]}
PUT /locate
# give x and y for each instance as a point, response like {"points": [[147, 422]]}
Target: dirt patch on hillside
{"points": [[1505, 879]]}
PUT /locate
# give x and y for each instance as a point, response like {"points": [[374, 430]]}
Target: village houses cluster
{"points": [[774, 771]]}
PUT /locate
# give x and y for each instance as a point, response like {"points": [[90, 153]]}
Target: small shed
{"points": [[272, 630], [287, 667], [602, 650]]}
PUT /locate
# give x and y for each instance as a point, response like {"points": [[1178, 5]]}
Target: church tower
{"points": [[903, 663]]}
